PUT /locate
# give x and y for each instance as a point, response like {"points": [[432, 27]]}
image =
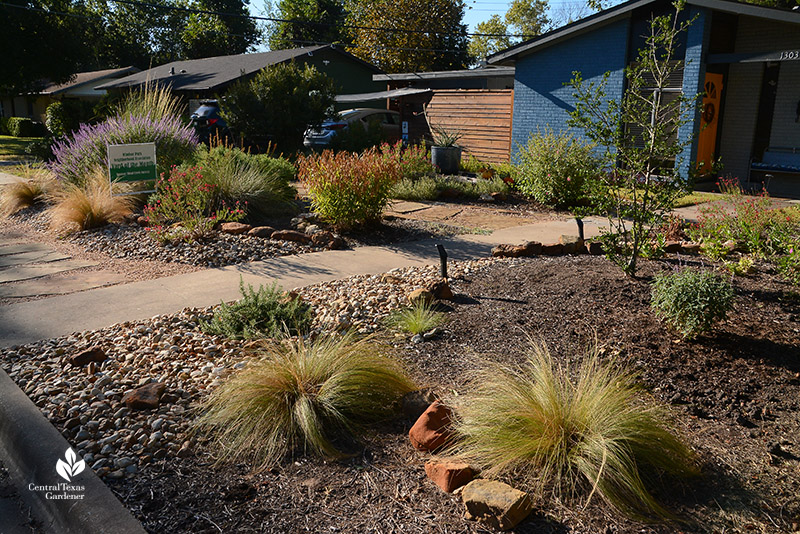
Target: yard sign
{"points": [[132, 163]]}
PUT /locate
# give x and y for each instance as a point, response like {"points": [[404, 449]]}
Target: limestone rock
{"points": [[441, 290], [531, 248], [572, 244], [145, 397], [235, 228], [594, 248], [432, 429], [691, 248], [671, 247], [553, 249], [421, 296], [449, 475], [495, 503], [263, 232], [291, 235], [92, 354], [323, 238]]}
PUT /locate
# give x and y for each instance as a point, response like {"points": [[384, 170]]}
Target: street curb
{"points": [[30, 447]]}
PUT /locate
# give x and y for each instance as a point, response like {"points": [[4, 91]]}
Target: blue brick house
{"points": [[745, 58]]}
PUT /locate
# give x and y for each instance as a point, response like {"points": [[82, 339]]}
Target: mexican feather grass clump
{"points": [[32, 187], [303, 397], [582, 432], [419, 318], [88, 205]]}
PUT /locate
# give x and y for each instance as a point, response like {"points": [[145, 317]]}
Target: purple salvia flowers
{"points": [[86, 148]]}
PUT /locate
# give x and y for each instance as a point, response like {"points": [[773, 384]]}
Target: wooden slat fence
{"points": [[483, 116]]}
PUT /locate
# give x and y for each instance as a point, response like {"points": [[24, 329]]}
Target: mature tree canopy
{"points": [[125, 34], [322, 22], [481, 46], [278, 105], [528, 17], [207, 35], [40, 40], [428, 34], [524, 19]]}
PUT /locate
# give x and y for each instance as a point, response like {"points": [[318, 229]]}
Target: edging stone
{"points": [[31, 447]]}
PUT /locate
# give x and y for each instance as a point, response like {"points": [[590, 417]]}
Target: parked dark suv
{"points": [[207, 121]]}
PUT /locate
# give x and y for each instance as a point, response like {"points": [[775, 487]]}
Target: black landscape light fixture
{"points": [[443, 260], [579, 221]]}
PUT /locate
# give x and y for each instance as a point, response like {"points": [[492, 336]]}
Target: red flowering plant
{"points": [[185, 207], [751, 222], [348, 189]]}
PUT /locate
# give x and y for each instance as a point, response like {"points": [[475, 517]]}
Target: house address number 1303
{"points": [[787, 55]]}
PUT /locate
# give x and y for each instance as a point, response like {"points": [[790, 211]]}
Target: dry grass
{"points": [[303, 397], [90, 205], [574, 432], [35, 185]]}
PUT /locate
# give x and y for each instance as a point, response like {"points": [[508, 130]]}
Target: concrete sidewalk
{"points": [[30, 321]]}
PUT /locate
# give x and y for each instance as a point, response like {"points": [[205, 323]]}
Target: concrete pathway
{"points": [[29, 321]]}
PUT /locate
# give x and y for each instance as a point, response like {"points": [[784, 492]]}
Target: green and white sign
{"points": [[132, 163]]}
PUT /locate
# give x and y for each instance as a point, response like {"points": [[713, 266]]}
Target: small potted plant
{"points": [[445, 152]]}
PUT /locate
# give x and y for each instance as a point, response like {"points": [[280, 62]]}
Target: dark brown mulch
{"points": [[734, 394]]}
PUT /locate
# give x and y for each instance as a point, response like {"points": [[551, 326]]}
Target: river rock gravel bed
{"points": [[85, 402], [130, 241]]}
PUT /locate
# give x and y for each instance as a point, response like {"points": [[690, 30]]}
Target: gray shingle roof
{"points": [[211, 73]]}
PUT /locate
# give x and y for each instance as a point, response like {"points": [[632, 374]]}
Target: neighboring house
{"points": [[476, 102], [81, 87], [745, 58], [199, 79]]}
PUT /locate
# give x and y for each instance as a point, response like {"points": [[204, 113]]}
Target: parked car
{"points": [[323, 136], [208, 122]]}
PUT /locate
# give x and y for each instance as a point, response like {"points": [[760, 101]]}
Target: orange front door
{"points": [[707, 138]]}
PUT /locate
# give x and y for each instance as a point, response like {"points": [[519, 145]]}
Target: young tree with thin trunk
{"points": [[638, 139]]}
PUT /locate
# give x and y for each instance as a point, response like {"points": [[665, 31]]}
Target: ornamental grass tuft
{"points": [[89, 205], [419, 318], [303, 397], [573, 432], [34, 186]]}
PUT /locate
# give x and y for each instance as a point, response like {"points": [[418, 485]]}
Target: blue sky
{"points": [[477, 10]]}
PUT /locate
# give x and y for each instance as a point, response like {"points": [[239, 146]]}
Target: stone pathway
{"points": [[33, 270]]}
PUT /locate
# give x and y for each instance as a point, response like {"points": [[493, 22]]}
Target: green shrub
{"points": [[414, 161], [303, 397], [586, 430], [279, 104], [691, 301], [348, 189], [789, 265], [20, 127], [444, 187], [259, 182], [4, 126], [186, 207], [64, 116], [552, 168], [421, 189], [357, 137], [268, 312], [419, 318]]}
